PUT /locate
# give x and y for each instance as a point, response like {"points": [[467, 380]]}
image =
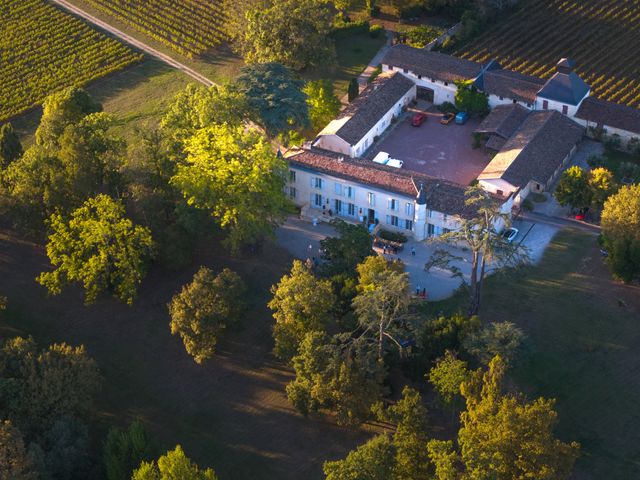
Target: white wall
{"points": [[378, 129], [494, 101], [625, 135], [496, 185], [333, 143], [305, 195], [441, 92], [553, 105]]}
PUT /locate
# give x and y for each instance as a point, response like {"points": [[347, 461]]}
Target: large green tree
{"points": [[197, 107], [10, 146], [602, 184], [447, 375], [324, 105], [39, 387], [292, 32], [469, 99], [124, 450], [573, 188], [275, 97], [98, 247], [486, 246], [174, 465], [337, 374], [382, 302], [504, 438], [497, 338], [301, 303], [372, 461], [205, 308], [351, 245], [60, 109], [235, 175], [15, 462], [621, 232]]}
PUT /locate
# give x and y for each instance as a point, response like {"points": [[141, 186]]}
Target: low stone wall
{"points": [[448, 34]]}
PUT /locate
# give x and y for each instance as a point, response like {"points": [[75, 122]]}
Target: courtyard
{"points": [[440, 151]]}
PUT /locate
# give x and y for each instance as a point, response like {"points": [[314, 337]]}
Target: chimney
{"points": [[565, 65]]}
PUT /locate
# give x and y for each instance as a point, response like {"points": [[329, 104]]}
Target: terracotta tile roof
{"points": [[609, 113], [535, 150], [503, 120], [439, 66], [371, 105], [509, 84], [442, 196]]}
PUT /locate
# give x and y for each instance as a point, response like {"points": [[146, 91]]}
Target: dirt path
{"points": [[132, 41]]}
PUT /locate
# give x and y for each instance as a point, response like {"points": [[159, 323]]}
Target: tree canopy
{"points": [[291, 32], [348, 248], [174, 465], [10, 146], [301, 303], [573, 188], [275, 97], [498, 338], [470, 99], [205, 308], [98, 247], [322, 101], [124, 450], [621, 232], [235, 176]]}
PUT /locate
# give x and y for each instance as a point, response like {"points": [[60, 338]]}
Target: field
{"points": [[231, 414], [43, 49], [602, 36], [584, 349], [190, 27]]}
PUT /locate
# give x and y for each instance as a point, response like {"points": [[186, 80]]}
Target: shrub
{"points": [[477, 140], [595, 161], [392, 236], [409, 12], [527, 205], [634, 146], [348, 29], [612, 142], [376, 30], [447, 107], [374, 11], [421, 36]]}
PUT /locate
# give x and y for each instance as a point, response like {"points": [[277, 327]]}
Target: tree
{"points": [[336, 373], [99, 247], [469, 99], [447, 375], [124, 450], [60, 109], [10, 146], [198, 107], [323, 103], [204, 309], [43, 386], [621, 232], [235, 175], [504, 339], [573, 188], [62, 453], [275, 97], [444, 459], [346, 250], [442, 333], [602, 185], [174, 465], [353, 90], [410, 437], [15, 462], [504, 438], [372, 461], [301, 304], [292, 32], [479, 235], [382, 302]]}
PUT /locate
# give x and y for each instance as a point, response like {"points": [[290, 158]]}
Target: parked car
{"points": [[418, 119], [461, 118], [510, 234], [447, 118]]}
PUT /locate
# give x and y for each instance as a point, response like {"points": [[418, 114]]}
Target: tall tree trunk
{"points": [[473, 302], [474, 307], [380, 338]]}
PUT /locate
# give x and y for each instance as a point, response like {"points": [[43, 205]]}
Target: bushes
{"points": [[348, 29], [447, 107], [392, 236], [421, 36], [375, 31]]}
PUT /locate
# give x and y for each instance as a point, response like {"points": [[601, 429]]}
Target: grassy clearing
{"points": [[584, 339], [231, 414]]}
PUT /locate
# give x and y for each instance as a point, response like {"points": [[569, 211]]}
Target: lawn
{"points": [[231, 414], [584, 349]]}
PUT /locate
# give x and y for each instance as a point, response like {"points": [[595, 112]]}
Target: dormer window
{"points": [[565, 109], [545, 105]]}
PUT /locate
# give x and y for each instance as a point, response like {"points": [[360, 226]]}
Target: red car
{"points": [[418, 119]]}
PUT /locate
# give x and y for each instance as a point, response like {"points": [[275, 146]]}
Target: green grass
{"points": [[615, 158], [583, 335]]}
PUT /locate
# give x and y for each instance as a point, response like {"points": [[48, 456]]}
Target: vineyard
{"points": [[602, 36], [43, 49], [190, 27]]}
